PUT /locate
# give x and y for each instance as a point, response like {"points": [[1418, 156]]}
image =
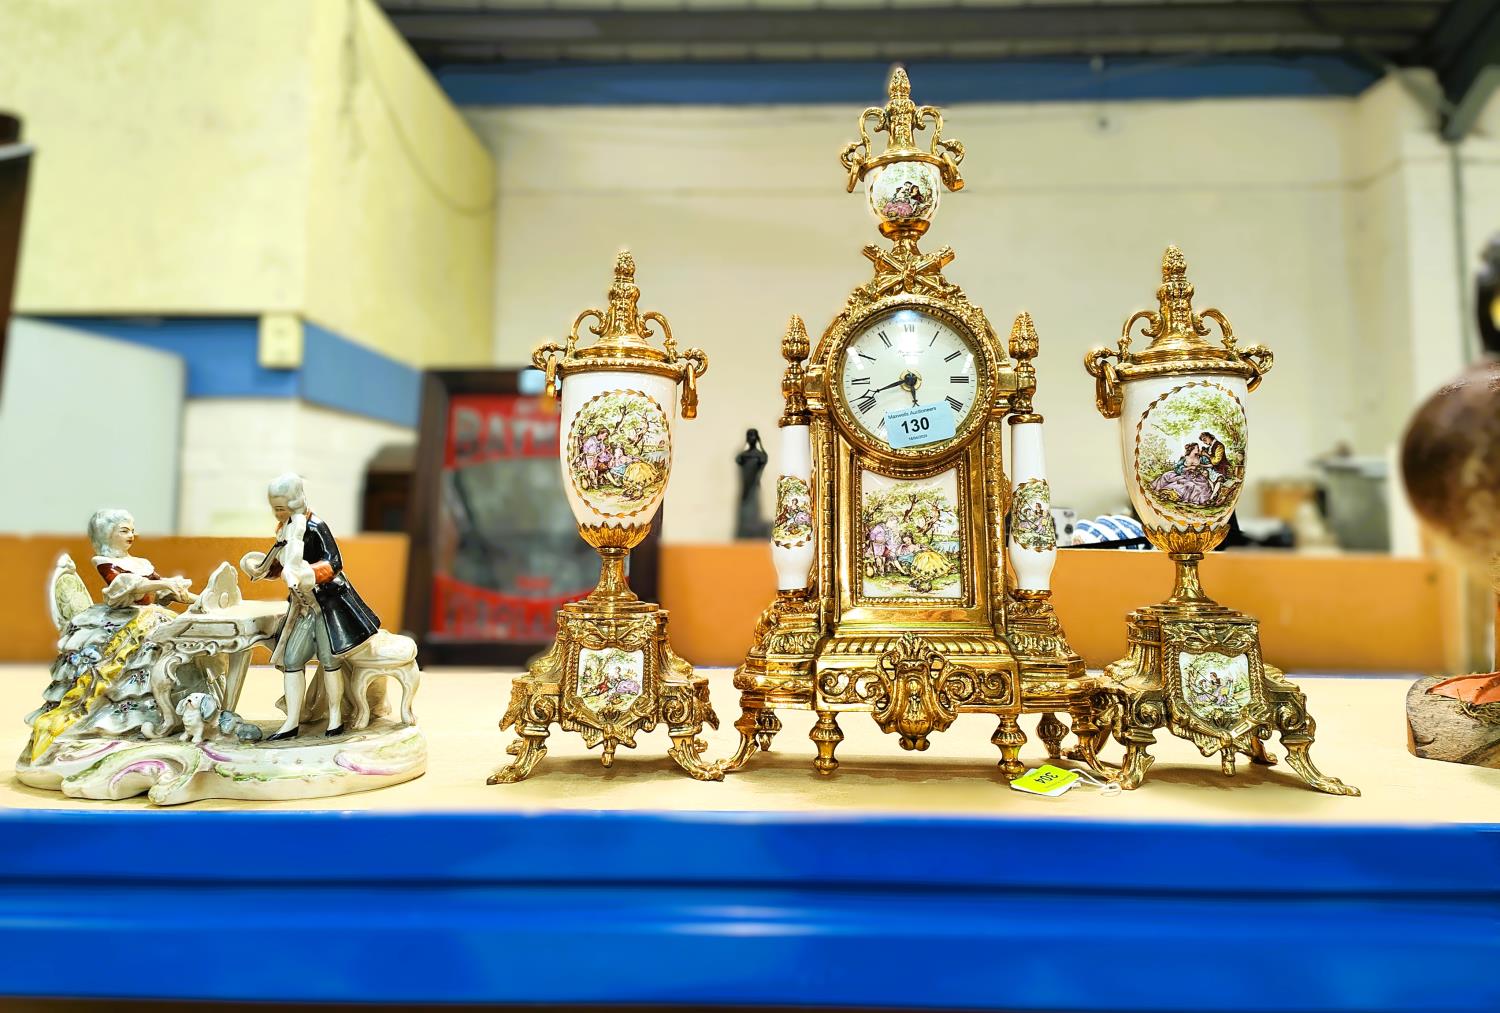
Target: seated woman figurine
{"points": [[99, 642], [130, 580]]}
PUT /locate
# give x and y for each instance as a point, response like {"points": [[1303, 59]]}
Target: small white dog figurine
{"points": [[194, 709]]}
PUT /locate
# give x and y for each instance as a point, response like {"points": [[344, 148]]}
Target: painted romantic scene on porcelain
{"points": [[610, 679], [793, 524], [1031, 522], [912, 541], [903, 191], [1216, 686], [619, 452], [1190, 452]]}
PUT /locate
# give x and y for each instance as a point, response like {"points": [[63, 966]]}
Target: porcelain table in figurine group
{"points": [[143, 698]]}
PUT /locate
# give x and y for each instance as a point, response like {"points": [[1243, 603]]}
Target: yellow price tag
{"points": [[1046, 780]]}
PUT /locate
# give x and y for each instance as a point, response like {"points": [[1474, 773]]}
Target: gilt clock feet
{"points": [[826, 735], [528, 752], [1257, 753], [1052, 732], [1135, 764], [1009, 738]]}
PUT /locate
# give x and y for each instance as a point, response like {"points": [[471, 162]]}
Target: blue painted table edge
{"points": [[757, 908]]}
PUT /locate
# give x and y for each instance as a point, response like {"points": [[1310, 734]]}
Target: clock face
{"points": [[907, 358]]}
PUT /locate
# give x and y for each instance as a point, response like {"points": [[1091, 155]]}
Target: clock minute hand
{"points": [[898, 383]]}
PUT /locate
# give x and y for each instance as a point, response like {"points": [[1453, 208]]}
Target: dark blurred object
{"points": [[1451, 461], [388, 480], [15, 169], [749, 522], [1275, 535], [1266, 534], [494, 546]]}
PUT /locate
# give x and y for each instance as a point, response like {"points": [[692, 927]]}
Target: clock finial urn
{"points": [[903, 183]]}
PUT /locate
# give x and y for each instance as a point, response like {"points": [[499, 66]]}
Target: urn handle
{"points": [[667, 341], [1257, 357], [1108, 397], [694, 364], [1260, 360], [545, 358]]}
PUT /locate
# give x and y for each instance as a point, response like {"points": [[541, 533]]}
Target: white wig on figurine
{"points": [[290, 488], [102, 526]]}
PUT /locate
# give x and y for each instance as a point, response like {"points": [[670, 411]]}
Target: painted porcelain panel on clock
{"points": [[793, 525], [904, 191], [903, 359], [618, 454], [912, 537], [1184, 441]]}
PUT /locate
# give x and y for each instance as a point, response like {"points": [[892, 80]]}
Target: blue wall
{"points": [[221, 355]]}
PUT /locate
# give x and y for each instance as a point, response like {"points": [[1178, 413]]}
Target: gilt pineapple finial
{"points": [[1024, 345], [794, 349]]}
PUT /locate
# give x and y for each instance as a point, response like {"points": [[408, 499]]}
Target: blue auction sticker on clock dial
{"points": [[919, 425]]}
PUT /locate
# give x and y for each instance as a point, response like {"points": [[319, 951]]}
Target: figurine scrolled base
{"points": [[170, 771], [1145, 698]]}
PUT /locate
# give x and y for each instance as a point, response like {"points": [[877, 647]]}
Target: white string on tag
{"points": [[1107, 789]]}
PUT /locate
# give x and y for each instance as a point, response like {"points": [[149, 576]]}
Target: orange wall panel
{"points": [[1340, 613]]}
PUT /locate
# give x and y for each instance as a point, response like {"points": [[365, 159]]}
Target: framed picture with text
{"points": [[494, 547]]}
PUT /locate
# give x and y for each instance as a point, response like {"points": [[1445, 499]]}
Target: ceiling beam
{"points": [[1390, 25]]}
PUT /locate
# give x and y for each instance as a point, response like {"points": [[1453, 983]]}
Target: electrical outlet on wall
{"points": [[280, 345]]}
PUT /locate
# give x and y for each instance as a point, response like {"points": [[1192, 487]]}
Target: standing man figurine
{"points": [[325, 618]]}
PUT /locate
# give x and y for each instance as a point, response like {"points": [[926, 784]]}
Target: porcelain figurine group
{"points": [[145, 698]]}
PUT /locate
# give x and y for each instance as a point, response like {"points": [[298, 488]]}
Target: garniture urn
{"points": [[612, 672], [1193, 665], [1181, 406], [619, 408]]}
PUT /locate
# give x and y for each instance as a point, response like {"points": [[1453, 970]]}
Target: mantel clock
{"points": [[894, 507]]}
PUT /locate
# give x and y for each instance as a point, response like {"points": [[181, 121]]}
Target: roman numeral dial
{"points": [[907, 358]]}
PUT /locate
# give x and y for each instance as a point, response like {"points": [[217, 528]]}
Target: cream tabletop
{"points": [[1361, 739]]}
